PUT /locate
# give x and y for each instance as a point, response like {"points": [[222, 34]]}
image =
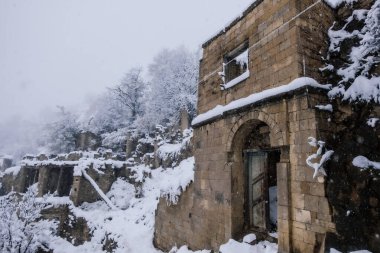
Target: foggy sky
{"points": [[59, 52]]}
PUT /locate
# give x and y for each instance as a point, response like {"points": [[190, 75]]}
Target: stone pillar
{"points": [[128, 146], [283, 207], [185, 123], [156, 158], [43, 178]]}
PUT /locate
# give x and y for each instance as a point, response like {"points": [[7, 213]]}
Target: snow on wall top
{"points": [[82, 161], [219, 110], [231, 23], [332, 3]]}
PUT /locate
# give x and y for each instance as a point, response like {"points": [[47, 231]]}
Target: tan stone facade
{"points": [[286, 39]]}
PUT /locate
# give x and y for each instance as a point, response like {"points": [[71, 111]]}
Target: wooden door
{"points": [[256, 163]]}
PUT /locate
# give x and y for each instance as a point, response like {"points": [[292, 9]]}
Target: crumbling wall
{"points": [[70, 227]]}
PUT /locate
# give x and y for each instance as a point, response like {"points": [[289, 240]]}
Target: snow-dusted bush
{"points": [[20, 227], [105, 114]]}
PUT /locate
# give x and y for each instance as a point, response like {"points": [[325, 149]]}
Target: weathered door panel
{"points": [[257, 183]]}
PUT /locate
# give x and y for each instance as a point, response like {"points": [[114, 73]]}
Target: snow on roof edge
{"points": [[231, 23], [219, 110]]}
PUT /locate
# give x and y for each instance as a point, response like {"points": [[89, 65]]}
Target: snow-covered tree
{"points": [[104, 114], [21, 229], [358, 77], [130, 92], [61, 134], [173, 86]]}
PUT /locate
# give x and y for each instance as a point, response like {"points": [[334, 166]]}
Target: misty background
{"points": [[67, 52]]}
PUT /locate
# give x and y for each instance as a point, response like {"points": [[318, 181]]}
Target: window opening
{"points": [[235, 67]]}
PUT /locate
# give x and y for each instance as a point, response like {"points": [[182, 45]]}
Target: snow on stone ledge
{"points": [[237, 80], [13, 170], [173, 181], [256, 97], [173, 150], [364, 163]]}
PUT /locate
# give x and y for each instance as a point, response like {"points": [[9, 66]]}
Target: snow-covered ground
{"points": [[131, 223]]}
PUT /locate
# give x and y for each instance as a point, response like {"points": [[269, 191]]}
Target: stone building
{"points": [[250, 152]]}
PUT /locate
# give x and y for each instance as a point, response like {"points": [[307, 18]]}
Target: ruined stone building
{"points": [[247, 148]]}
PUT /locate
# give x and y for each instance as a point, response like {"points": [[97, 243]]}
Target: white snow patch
{"points": [[185, 249], [363, 89], [13, 170], [336, 3], [318, 167], [364, 163], [176, 180], [274, 234], [249, 238], [139, 172], [121, 193], [332, 250], [132, 229], [327, 107], [256, 97], [237, 80], [372, 122], [233, 246]]}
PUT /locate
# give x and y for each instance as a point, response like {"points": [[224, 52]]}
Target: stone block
{"points": [[312, 203], [283, 226], [283, 212], [298, 200], [301, 215], [317, 189], [323, 206]]}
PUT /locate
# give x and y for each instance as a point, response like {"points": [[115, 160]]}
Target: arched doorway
{"points": [[254, 179]]}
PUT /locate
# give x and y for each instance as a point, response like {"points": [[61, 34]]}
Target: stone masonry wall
{"points": [[211, 211], [282, 48], [272, 57]]}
